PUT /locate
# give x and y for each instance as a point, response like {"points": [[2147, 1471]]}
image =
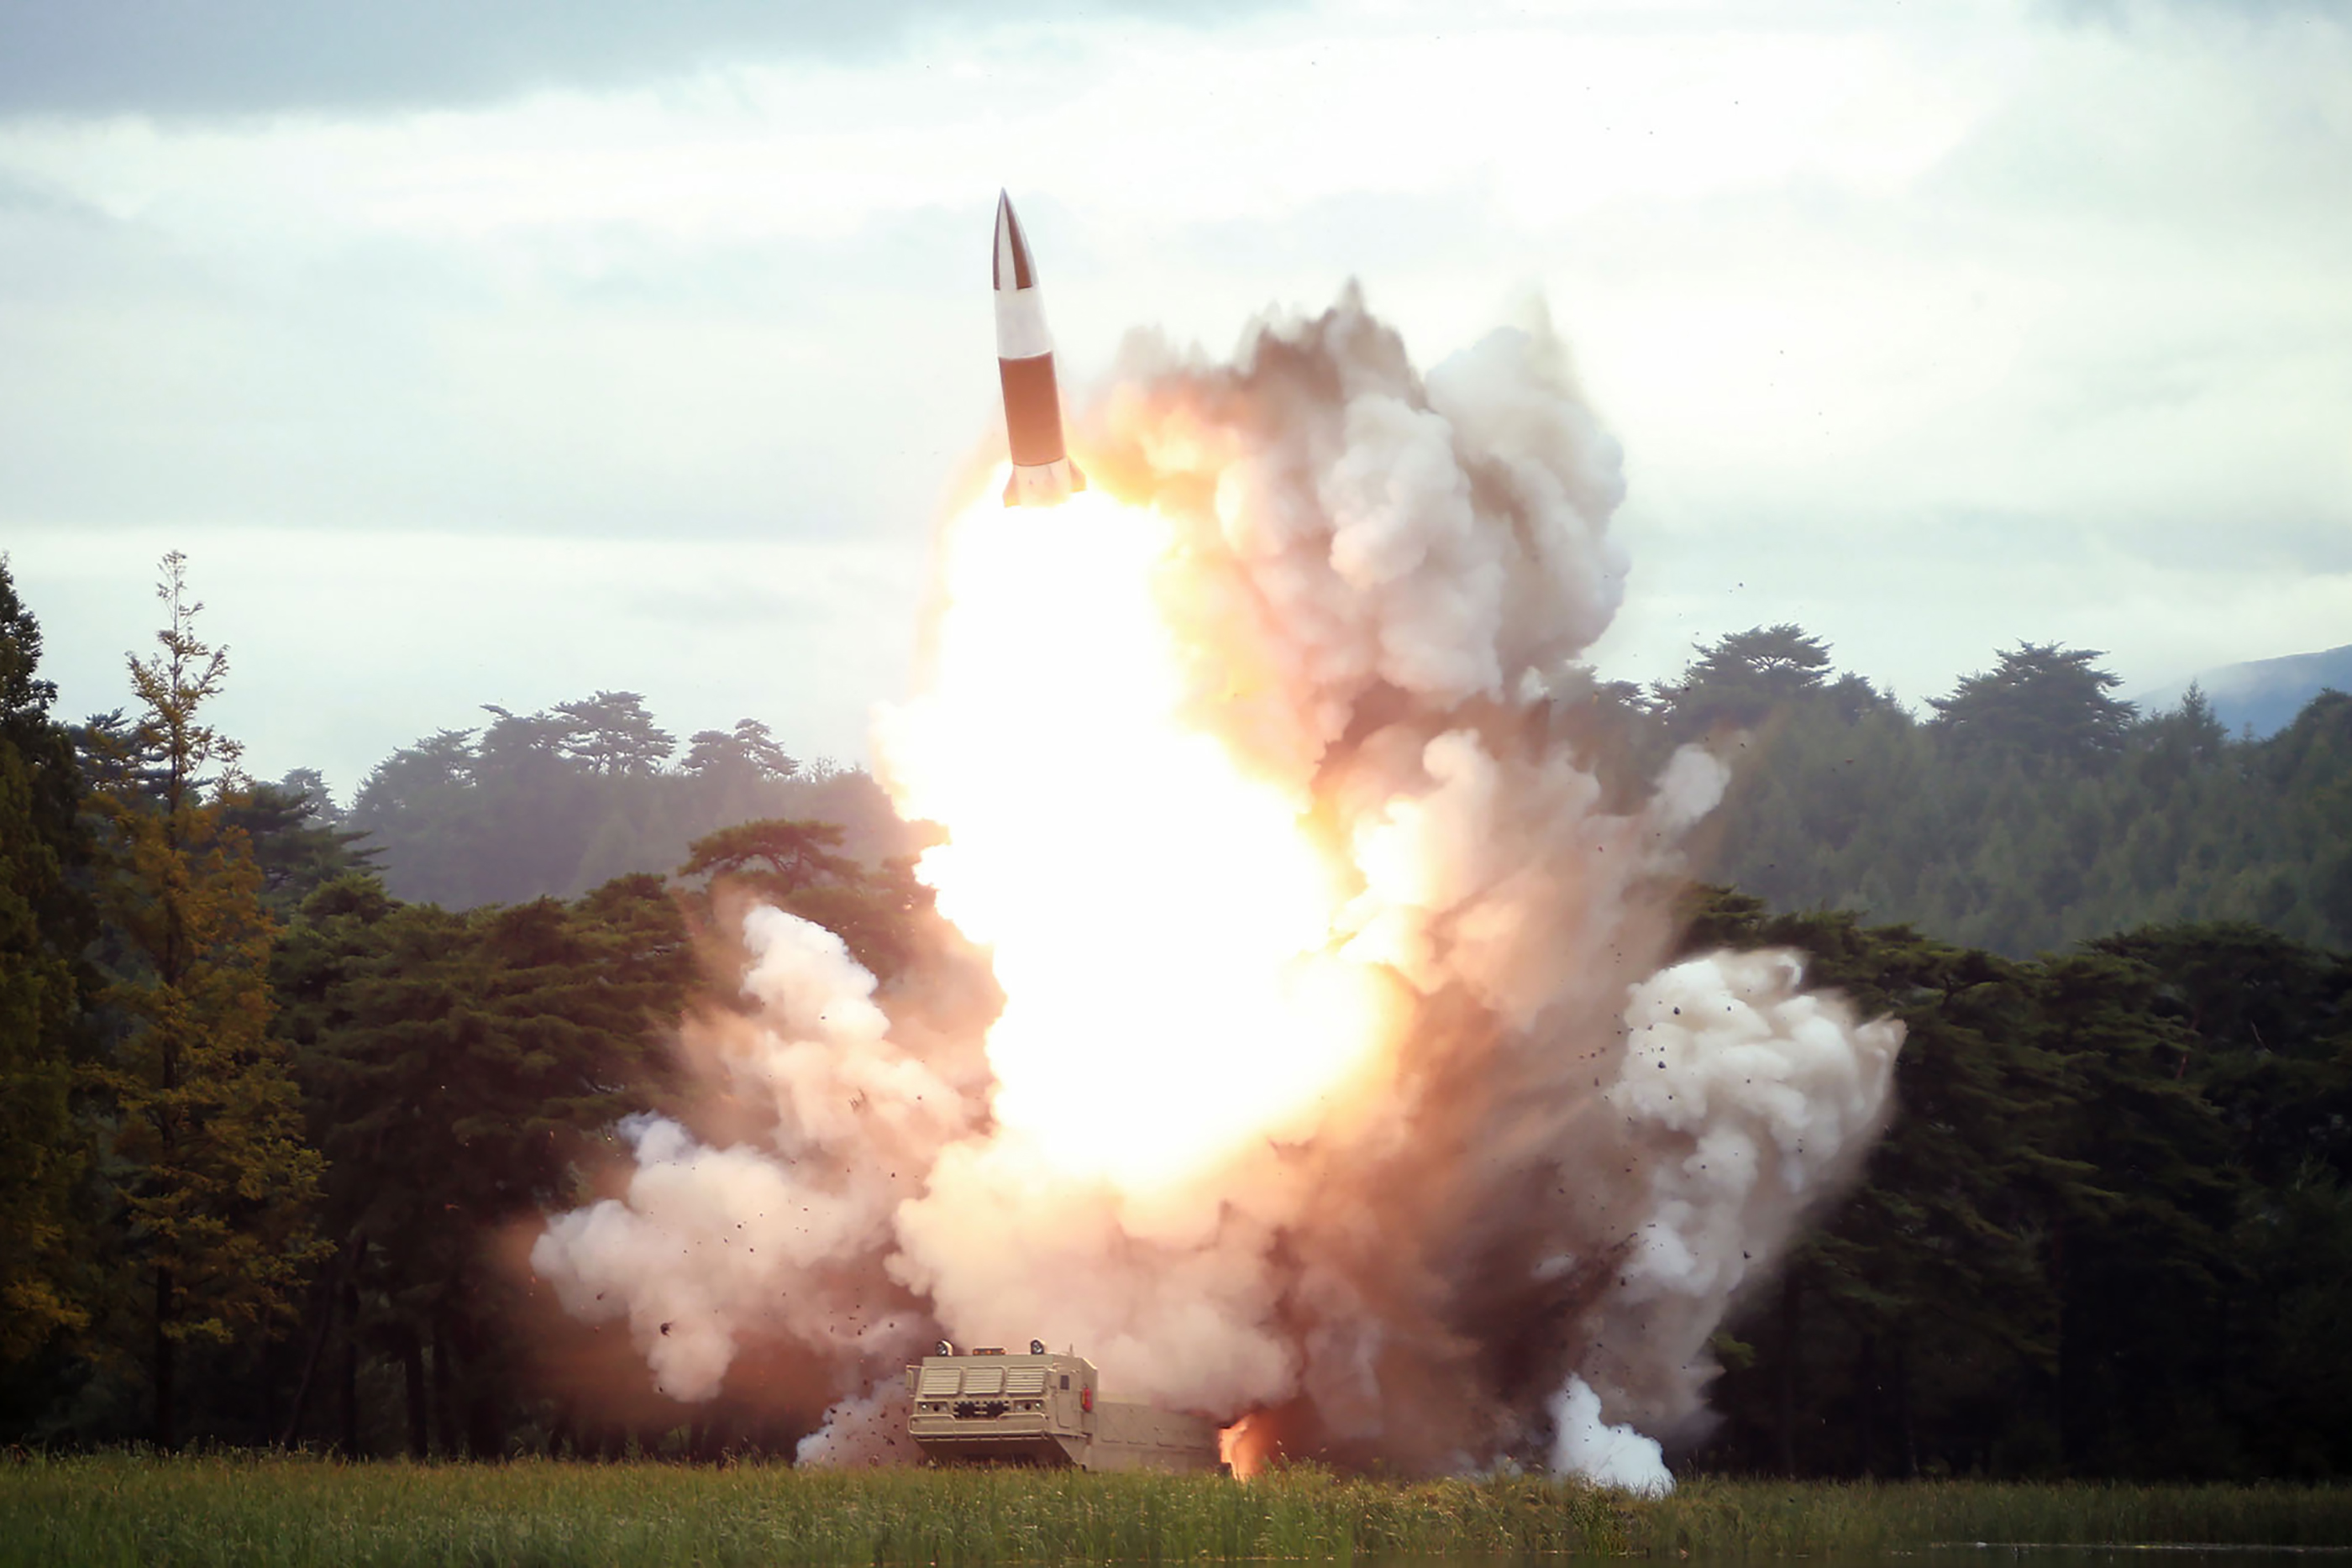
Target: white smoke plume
{"points": [[771, 1235], [1462, 1175], [1584, 1445]]}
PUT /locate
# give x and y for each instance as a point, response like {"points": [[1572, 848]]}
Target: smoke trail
{"points": [[1337, 1083]]}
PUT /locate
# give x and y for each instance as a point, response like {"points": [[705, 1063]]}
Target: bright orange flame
{"points": [[1245, 1447], [1162, 923]]}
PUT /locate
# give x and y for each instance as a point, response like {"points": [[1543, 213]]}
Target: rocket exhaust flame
{"points": [[1337, 1091], [1218, 997]]}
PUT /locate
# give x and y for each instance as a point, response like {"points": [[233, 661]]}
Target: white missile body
{"points": [[1043, 474]]}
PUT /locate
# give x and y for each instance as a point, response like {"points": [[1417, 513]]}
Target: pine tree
{"points": [[1741, 679], [214, 1179], [295, 838], [2044, 701], [45, 922], [462, 1067], [794, 865]]}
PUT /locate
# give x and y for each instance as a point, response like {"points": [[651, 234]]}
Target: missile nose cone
{"points": [[1012, 267]]}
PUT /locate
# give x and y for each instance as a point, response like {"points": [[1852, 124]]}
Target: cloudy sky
{"points": [[503, 352]]}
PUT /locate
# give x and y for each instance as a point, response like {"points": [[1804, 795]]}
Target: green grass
{"points": [[1827, 1518], [126, 1509]]}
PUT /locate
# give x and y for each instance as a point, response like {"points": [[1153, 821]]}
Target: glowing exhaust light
{"points": [[1161, 923]]}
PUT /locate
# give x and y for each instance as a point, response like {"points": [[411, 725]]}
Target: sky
{"points": [[502, 353]]}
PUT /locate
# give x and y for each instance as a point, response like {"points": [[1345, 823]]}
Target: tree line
{"points": [[2028, 809], [275, 1077], [2109, 1232], [551, 804], [264, 1115]]}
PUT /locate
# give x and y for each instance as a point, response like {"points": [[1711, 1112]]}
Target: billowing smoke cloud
{"points": [[771, 1235], [1339, 1084]]}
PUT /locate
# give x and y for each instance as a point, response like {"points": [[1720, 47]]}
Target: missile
{"points": [[1043, 474]]}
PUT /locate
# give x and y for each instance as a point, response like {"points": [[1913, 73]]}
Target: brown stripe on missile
{"points": [[1033, 410]]}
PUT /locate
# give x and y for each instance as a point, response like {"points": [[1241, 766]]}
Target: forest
{"points": [[278, 1071]]}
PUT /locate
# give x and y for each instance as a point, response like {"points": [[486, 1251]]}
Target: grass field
{"points": [[124, 1509]]}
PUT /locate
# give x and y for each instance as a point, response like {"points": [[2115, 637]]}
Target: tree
{"points": [[555, 803], [318, 801], [45, 921], [2108, 1234], [2004, 822], [2041, 700], [793, 865], [775, 859], [420, 809], [2172, 747], [216, 1182], [613, 733], [1744, 676], [2271, 1019], [2309, 765], [292, 829], [2141, 1263], [1926, 1283], [459, 1065], [749, 750]]}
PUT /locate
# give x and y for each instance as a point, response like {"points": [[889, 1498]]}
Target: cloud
{"points": [[172, 58], [2121, 13], [364, 380], [1930, 332]]}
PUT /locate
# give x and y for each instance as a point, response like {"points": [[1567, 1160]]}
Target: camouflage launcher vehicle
{"points": [[985, 1407]]}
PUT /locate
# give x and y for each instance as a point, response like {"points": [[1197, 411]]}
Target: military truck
{"points": [[1042, 1408]]}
